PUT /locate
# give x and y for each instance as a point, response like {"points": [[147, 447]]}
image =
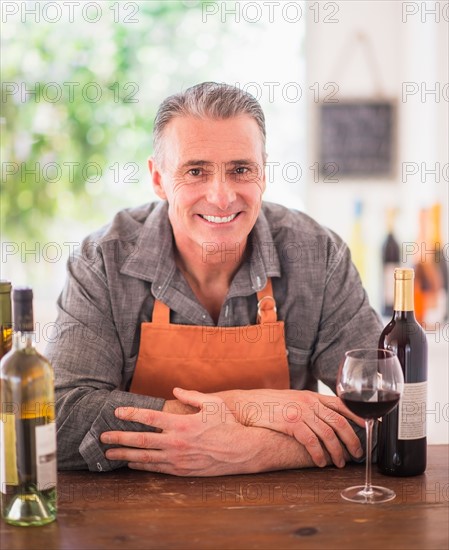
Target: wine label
{"points": [[46, 456], [412, 411], [8, 466]]}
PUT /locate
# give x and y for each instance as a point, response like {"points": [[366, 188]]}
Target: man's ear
{"points": [[156, 179]]}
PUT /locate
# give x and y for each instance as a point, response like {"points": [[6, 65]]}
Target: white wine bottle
{"points": [[5, 318], [27, 427]]}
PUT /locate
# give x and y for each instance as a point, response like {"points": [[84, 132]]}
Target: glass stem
{"points": [[369, 444]]}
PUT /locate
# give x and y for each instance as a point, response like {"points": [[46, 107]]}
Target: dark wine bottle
{"points": [[390, 260], [402, 442]]}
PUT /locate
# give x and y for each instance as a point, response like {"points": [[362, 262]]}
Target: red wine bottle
{"points": [[402, 442]]}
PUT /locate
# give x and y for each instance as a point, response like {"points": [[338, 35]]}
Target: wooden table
{"points": [[292, 509]]}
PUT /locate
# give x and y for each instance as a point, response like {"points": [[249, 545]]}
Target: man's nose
{"points": [[220, 191]]}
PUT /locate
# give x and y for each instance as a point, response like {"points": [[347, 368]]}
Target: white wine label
{"points": [[46, 456], [8, 466], [412, 411]]}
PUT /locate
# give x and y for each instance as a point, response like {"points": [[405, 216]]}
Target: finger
{"points": [[140, 440], [338, 406], [196, 398], [304, 435], [128, 454], [331, 442], [327, 438], [330, 424], [349, 438], [210, 405], [149, 417]]}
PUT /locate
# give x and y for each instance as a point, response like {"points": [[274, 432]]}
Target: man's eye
{"points": [[242, 170], [195, 172]]}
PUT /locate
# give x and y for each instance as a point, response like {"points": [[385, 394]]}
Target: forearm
{"points": [[277, 451], [83, 414], [272, 450], [320, 424], [267, 449]]}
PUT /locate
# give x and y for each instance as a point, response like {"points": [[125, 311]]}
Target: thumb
{"points": [[212, 406], [192, 397]]}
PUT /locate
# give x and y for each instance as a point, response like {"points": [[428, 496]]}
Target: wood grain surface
{"points": [[290, 509]]}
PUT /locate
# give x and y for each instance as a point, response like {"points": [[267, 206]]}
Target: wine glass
{"points": [[370, 383]]}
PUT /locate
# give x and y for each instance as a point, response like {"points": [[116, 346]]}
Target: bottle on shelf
{"points": [[27, 429], [402, 442], [440, 313], [391, 257], [357, 243], [5, 317], [428, 279]]}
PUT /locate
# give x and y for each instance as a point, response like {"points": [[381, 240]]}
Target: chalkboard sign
{"points": [[357, 138]]}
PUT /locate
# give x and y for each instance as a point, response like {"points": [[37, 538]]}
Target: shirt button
{"points": [[203, 316], [99, 467]]}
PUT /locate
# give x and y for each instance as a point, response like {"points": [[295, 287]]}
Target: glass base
{"points": [[29, 510], [375, 495]]}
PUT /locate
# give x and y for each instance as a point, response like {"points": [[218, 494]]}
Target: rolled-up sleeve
{"points": [[347, 320], [88, 360]]}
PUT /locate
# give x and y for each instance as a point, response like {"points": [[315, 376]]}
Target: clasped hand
{"points": [[319, 422], [223, 437], [185, 444]]}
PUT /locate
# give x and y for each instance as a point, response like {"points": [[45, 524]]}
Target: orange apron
{"points": [[210, 358]]}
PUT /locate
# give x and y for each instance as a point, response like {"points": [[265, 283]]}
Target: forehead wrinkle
{"points": [[209, 144]]}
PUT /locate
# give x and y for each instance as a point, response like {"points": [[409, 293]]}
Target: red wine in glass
{"points": [[370, 383], [362, 404]]}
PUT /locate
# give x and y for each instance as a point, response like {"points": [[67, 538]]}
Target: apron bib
{"points": [[211, 359]]}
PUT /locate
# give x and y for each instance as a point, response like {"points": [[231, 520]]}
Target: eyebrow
{"points": [[198, 162], [241, 161], [195, 162]]}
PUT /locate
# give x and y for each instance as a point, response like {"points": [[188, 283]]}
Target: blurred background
{"points": [[81, 83]]}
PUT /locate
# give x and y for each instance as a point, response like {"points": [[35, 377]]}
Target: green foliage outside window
{"points": [[77, 147]]}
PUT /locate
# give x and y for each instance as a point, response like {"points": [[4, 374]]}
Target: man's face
{"points": [[213, 177]]}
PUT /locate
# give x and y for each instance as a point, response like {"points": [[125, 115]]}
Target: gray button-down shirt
{"points": [[117, 273]]}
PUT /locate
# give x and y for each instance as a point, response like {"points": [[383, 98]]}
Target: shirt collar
{"points": [[153, 258]]}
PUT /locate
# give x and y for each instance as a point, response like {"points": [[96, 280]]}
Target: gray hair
{"points": [[206, 100]]}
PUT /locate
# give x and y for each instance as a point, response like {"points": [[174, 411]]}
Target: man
{"points": [[249, 303]]}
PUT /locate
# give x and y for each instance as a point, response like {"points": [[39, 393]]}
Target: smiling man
{"points": [[191, 338], [211, 174]]}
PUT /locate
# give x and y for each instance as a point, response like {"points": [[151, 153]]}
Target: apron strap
{"points": [[266, 305], [161, 313], [266, 308]]}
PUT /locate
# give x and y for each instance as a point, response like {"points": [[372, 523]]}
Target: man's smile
{"points": [[219, 219]]}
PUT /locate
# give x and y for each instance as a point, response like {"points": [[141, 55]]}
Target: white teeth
{"points": [[216, 219]]}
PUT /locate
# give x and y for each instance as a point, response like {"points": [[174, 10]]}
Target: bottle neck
{"points": [[23, 340], [403, 298], [404, 315]]}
